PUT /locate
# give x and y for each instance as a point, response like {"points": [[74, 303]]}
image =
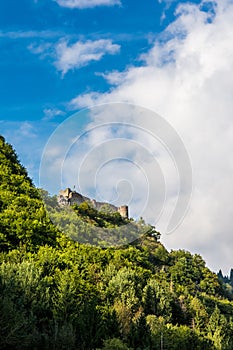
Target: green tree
{"points": [[115, 344], [217, 328]]}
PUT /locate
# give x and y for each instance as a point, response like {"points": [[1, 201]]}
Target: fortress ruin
{"points": [[69, 197]]}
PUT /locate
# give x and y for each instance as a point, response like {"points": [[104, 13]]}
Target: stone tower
{"points": [[124, 211]]}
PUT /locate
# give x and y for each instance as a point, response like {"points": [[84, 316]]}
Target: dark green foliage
{"points": [[114, 344], [23, 219], [227, 283], [60, 294]]}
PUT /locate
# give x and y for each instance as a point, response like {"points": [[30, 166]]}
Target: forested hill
{"points": [[60, 294]]}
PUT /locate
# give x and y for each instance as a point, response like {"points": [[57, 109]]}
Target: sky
{"points": [[172, 61]]}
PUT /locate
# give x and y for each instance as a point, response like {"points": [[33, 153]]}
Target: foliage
{"points": [[23, 219], [114, 344]]}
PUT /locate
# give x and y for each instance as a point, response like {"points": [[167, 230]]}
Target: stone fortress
{"points": [[69, 197]]}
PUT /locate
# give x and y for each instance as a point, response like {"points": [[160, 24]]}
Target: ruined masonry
{"points": [[68, 197]]}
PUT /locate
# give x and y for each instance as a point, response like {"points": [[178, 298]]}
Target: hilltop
{"points": [[58, 293]]}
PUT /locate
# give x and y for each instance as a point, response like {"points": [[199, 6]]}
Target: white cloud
{"points": [[67, 57], [81, 4], [187, 78], [84, 100], [51, 113], [20, 34], [43, 50], [82, 53], [27, 130]]}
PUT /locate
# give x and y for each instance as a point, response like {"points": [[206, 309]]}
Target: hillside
{"points": [[57, 293]]}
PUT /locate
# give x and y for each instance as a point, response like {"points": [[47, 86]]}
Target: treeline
{"points": [[227, 280], [57, 293]]}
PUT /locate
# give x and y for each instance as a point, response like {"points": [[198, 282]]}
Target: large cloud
{"points": [[187, 78], [81, 4]]}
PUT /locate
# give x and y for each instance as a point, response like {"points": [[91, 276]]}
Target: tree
{"points": [[114, 344], [217, 328]]}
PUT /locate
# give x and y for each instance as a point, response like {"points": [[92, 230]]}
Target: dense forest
{"points": [[58, 293]]}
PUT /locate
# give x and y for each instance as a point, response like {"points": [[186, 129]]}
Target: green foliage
{"points": [[114, 344], [106, 217], [23, 219], [217, 329]]}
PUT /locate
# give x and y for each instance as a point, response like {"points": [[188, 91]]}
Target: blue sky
{"points": [[31, 83], [173, 57]]}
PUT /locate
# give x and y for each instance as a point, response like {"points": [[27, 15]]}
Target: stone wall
{"points": [[69, 197]]}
